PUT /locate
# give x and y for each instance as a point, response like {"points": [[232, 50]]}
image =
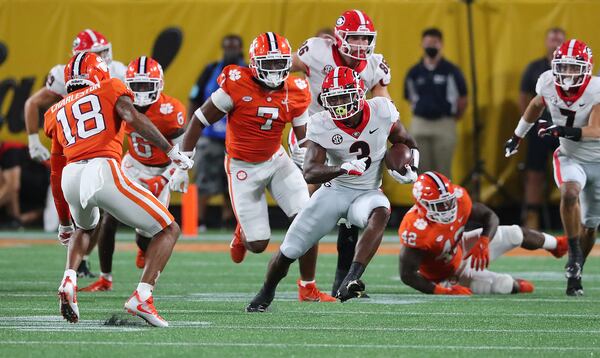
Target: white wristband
{"points": [[34, 138], [522, 128], [201, 117], [415, 156]]}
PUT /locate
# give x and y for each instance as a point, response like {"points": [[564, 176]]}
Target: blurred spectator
{"points": [[23, 186], [539, 149], [437, 92], [210, 170]]}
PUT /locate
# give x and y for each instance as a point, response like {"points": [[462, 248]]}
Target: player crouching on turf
{"points": [[351, 136], [433, 238]]}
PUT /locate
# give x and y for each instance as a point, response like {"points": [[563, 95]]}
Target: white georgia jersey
{"points": [[344, 144], [320, 56], [572, 114], [55, 81]]}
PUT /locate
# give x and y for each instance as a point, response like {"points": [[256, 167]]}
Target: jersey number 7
{"points": [[84, 110], [270, 114]]}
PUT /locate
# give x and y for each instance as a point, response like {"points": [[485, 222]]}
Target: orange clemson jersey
{"points": [[259, 115], [85, 122], [168, 115], [441, 242]]}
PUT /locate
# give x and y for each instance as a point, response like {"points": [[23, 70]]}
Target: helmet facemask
{"points": [[146, 90], [356, 51], [272, 70], [343, 103], [570, 72], [442, 210]]}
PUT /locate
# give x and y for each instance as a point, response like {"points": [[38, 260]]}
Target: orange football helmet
{"points": [[342, 93], [355, 23], [85, 69], [270, 59], [572, 64], [90, 40], [144, 77], [434, 195]]}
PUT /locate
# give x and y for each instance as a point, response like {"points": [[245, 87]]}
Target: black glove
{"points": [[554, 130], [511, 146]]}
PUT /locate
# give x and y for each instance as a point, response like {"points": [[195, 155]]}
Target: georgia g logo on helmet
{"points": [[572, 64]]}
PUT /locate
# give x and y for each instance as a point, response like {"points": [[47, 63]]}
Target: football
{"points": [[397, 156]]}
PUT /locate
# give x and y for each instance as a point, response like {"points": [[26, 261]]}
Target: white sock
{"points": [[144, 290], [304, 283], [72, 275], [106, 276], [86, 257], [549, 242]]}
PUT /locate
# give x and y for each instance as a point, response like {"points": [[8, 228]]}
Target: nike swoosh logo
{"points": [[141, 309], [373, 131]]}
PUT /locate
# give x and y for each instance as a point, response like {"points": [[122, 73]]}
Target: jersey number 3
{"points": [[89, 120]]}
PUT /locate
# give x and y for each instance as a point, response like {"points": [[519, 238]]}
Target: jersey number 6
{"points": [[84, 130]]}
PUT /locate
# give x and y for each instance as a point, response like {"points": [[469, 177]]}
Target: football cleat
{"points": [[352, 289], [574, 287], [67, 294], [84, 270], [525, 286], [140, 259], [310, 293], [145, 310], [562, 247], [237, 249], [260, 302], [573, 269], [101, 284]]}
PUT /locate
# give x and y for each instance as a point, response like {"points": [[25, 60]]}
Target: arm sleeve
{"points": [[222, 100], [57, 163], [301, 119]]}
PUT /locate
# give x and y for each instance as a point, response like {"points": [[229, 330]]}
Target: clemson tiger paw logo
{"points": [[235, 75], [417, 190], [300, 83], [166, 108], [420, 224]]}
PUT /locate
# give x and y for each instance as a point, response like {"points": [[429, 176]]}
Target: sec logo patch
{"points": [[241, 175], [337, 139]]}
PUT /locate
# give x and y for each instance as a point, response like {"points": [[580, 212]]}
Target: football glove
{"points": [[298, 156], [37, 151], [355, 167], [408, 178], [179, 181], [480, 254], [452, 290], [554, 130], [512, 146], [155, 184], [65, 233], [180, 159]]}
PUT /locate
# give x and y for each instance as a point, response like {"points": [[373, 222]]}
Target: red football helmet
{"points": [[342, 93], [435, 196], [270, 58], [93, 41], [85, 69], [144, 77], [572, 64], [355, 23]]}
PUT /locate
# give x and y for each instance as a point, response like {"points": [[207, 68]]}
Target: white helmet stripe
{"points": [[335, 77], [142, 65], [571, 45], [77, 64], [361, 17], [272, 41], [438, 181], [92, 35]]}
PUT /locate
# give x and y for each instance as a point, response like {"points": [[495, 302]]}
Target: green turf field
{"points": [[203, 296]]}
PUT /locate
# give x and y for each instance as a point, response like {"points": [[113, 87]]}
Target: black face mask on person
{"points": [[431, 51]]}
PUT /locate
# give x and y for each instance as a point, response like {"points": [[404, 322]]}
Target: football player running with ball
{"points": [[86, 126], [351, 137], [144, 163], [259, 101], [353, 46], [439, 257], [572, 96]]}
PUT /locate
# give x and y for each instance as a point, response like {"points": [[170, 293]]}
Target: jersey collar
{"points": [[357, 131], [339, 61], [572, 99]]}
